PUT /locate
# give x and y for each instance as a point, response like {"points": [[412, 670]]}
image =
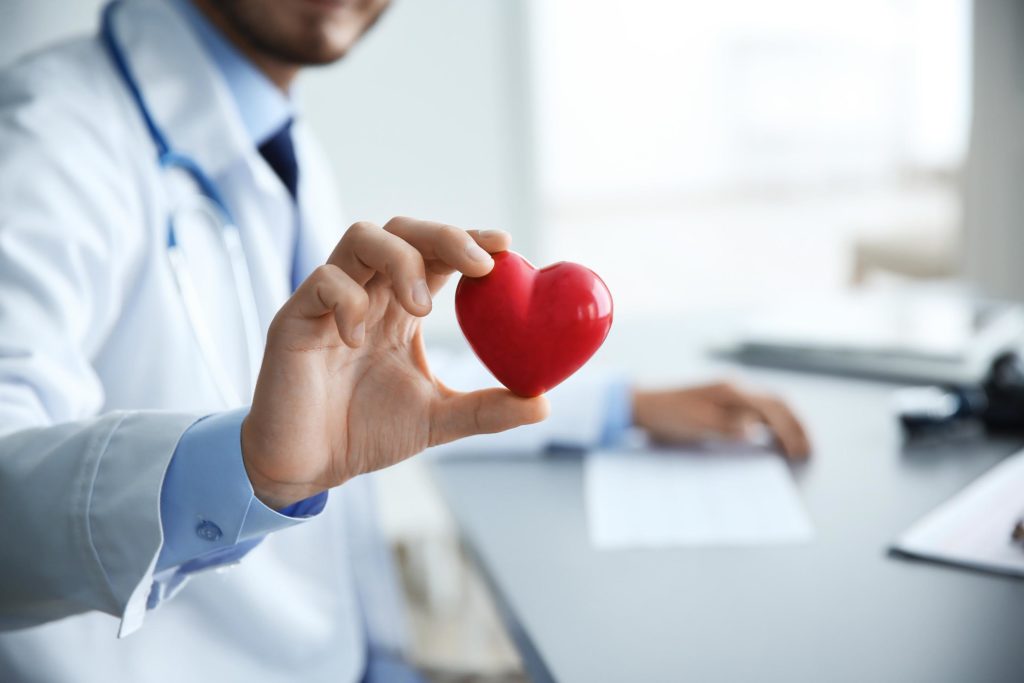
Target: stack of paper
{"points": [[688, 497], [973, 528]]}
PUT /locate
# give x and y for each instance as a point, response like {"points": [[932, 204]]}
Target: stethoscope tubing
{"points": [[168, 158]]}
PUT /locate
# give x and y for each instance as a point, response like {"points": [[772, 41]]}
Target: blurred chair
{"points": [[457, 632], [914, 251], [986, 249]]}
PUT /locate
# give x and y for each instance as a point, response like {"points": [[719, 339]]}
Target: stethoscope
{"points": [[213, 208]]}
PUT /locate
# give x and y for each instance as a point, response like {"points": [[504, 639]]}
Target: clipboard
{"points": [[974, 528]]}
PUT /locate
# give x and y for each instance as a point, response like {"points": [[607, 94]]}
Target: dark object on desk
{"points": [[1018, 531], [998, 403]]}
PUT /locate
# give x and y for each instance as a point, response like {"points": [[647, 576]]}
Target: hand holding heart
{"points": [[344, 388]]}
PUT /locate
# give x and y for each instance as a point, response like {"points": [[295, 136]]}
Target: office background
{"points": [[699, 156]]}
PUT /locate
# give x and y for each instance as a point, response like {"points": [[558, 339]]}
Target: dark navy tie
{"points": [[279, 153]]}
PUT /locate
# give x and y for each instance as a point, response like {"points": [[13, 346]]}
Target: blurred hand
{"points": [[344, 388], [718, 411]]}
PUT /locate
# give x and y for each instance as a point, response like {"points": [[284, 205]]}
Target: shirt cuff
{"points": [[208, 511], [618, 417]]}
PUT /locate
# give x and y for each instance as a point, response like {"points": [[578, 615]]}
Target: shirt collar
{"points": [[264, 109]]}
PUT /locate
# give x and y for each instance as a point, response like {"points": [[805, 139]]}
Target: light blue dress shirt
{"points": [[209, 513], [263, 107], [618, 413]]}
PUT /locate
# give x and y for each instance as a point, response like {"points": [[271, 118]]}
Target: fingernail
{"points": [[420, 294], [475, 252], [490, 234], [359, 333]]}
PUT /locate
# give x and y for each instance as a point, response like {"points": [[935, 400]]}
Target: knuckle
{"points": [[478, 415], [728, 388], [324, 274], [359, 230], [405, 260], [353, 300], [450, 233], [277, 330], [274, 329], [396, 223]]}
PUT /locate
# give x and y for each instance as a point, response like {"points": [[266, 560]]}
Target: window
{"points": [[713, 154]]}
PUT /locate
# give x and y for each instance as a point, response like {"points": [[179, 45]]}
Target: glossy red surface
{"points": [[533, 328]]}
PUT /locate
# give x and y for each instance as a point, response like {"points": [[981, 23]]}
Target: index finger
{"points": [[449, 247]]}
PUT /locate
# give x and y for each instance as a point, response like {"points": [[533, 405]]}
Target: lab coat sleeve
{"points": [[79, 490], [590, 409], [81, 527]]}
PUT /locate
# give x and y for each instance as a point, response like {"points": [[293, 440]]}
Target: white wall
{"points": [[995, 168], [428, 117], [425, 117], [29, 24]]}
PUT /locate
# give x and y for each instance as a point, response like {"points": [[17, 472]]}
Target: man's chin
{"points": [[315, 53], [298, 32]]}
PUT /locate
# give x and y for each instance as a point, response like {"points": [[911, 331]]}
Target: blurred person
{"points": [[163, 211]]}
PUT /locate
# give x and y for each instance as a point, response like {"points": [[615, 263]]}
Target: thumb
{"points": [[487, 411]]}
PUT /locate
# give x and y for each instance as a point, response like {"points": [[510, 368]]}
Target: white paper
{"points": [[660, 498], [973, 528]]}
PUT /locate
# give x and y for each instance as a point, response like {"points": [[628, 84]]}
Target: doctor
{"points": [[163, 211]]}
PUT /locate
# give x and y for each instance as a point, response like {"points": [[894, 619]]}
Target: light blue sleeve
{"points": [[618, 413], [208, 511]]}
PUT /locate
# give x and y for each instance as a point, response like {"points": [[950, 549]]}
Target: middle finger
{"points": [[366, 250], [447, 249]]}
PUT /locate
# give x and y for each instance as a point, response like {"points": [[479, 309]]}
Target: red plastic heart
{"points": [[533, 328]]}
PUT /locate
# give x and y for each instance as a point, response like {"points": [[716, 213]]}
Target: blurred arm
{"points": [[592, 408]]}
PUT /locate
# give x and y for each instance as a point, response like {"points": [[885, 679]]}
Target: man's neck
{"points": [[280, 74]]}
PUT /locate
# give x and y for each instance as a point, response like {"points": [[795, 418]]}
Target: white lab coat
{"points": [[100, 375]]}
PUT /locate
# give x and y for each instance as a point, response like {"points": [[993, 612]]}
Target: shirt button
{"points": [[208, 531]]}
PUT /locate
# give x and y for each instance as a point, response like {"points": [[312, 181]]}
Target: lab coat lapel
{"points": [[193, 106], [185, 93], [189, 99], [320, 215], [374, 573]]}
